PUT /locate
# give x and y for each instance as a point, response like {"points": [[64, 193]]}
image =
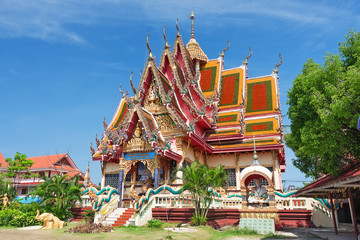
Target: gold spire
{"points": [[192, 17], [87, 176], [193, 47]]}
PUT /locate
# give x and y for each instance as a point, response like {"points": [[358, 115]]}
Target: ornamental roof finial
{"points": [[224, 50], [177, 28], [276, 70], [248, 56], [148, 45], [255, 162], [165, 38], [131, 82], [192, 17]]}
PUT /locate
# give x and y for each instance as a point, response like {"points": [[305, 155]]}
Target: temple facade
{"points": [[190, 108]]}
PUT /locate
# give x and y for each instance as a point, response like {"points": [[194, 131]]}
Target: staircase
{"points": [[79, 213], [119, 217], [296, 218]]}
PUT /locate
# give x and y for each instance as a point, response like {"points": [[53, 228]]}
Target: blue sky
{"points": [[62, 61]]}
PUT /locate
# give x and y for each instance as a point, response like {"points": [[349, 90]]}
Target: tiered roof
{"points": [[216, 109]]}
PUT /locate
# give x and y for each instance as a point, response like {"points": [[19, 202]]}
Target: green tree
{"points": [[197, 179], [59, 193], [19, 166], [324, 106]]}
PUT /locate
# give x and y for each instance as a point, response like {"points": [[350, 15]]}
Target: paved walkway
{"points": [[345, 232]]}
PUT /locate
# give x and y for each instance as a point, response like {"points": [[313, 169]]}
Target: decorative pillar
{"points": [[352, 211], [179, 174], [333, 214], [156, 171], [121, 180]]}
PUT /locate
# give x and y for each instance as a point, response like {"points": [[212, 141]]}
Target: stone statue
{"points": [[258, 193], [50, 221], [5, 200]]}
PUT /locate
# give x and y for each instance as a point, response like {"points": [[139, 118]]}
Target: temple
{"points": [[191, 108]]}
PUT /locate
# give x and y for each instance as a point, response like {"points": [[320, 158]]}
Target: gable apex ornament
{"points": [[276, 70]]}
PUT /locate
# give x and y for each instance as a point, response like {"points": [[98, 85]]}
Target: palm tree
{"points": [[59, 193], [197, 179]]}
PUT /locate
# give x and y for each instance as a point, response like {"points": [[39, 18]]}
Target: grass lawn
{"points": [[130, 233]]}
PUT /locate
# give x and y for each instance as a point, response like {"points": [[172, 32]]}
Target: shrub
{"points": [[89, 216], [91, 228], [18, 218], [198, 220], [154, 223]]}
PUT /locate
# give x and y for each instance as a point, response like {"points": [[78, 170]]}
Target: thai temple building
{"points": [[191, 108], [188, 108]]}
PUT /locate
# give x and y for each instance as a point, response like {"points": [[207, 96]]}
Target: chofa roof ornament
{"points": [[276, 70], [248, 56]]}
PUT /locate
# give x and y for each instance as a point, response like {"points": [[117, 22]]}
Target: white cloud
{"points": [[51, 20]]}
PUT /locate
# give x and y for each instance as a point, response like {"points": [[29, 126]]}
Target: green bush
{"points": [[198, 220], [89, 216], [154, 223], [17, 218]]}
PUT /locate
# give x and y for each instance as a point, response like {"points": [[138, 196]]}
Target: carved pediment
{"points": [[137, 143]]}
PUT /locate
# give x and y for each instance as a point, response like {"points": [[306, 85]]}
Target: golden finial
{"points": [[148, 45], [166, 43], [224, 50], [276, 70], [248, 56], [131, 82], [177, 28], [192, 17]]}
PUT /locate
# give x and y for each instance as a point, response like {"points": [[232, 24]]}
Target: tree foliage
{"points": [[197, 179], [18, 166], [324, 106], [59, 193]]}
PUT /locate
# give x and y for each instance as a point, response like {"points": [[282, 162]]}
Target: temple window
{"points": [[128, 177], [112, 180], [172, 169], [23, 191], [263, 182], [231, 177]]}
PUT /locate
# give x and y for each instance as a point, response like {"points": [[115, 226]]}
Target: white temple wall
{"points": [[111, 167]]}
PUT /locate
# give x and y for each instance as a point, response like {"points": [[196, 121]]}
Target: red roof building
{"points": [[44, 165]]}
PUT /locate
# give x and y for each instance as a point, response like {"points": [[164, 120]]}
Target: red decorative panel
{"points": [[259, 127], [228, 90], [205, 80], [259, 97]]}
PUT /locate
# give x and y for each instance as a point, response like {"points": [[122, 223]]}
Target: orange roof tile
{"points": [[46, 161], [3, 163]]}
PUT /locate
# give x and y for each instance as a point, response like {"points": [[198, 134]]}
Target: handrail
{"points": [[110, 191]]}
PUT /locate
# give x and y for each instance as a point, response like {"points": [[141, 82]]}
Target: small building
{"points": [[44, 165]]}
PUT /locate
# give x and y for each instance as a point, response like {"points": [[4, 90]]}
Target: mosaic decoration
{"points": [[124, 109], [262, 226]]}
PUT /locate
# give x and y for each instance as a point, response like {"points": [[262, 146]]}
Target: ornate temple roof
{"points": [[193, 47], [195, 51], [189, 97]]}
